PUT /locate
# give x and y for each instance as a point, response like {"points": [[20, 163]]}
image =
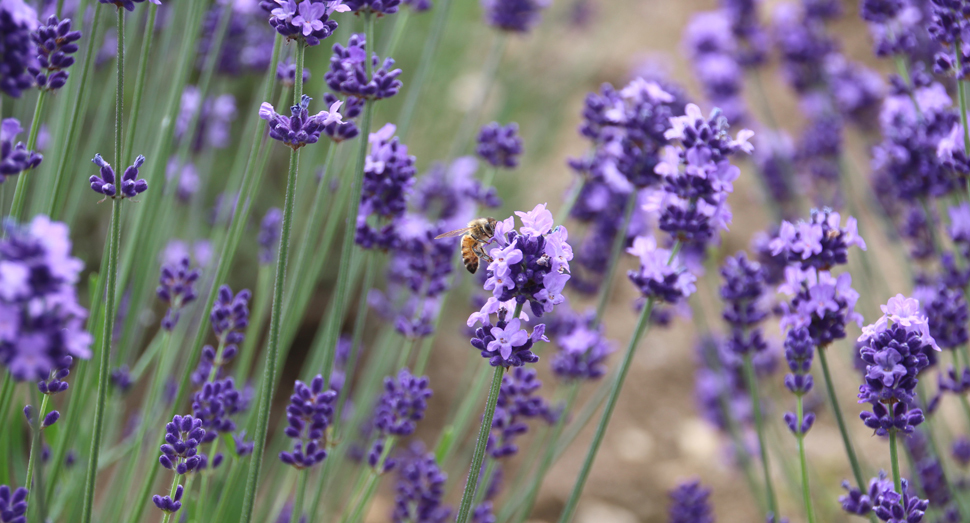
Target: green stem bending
{"points": [[751, 380], [464, 510], [849, 449], [114, 236], [800, 436]]}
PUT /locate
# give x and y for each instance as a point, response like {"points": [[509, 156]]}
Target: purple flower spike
{"points": [[169, 504], [689, 504], [182, 438], [55, 384], [500, 146], [402, 405], [656, 278], [286, 73], [420, 489], [388, 177], [108, 185], [305, 20], [300, 128], [514, 16], [348, 72], [215, 404], [859, 503], [517, 402], [121, 379], [820, 242], [583, 347], [13, 505], [378, 7], [269, 235], [128, 4], [176, 288], [308, 415], [14, 157], [17, 22], [229, 319], [55, 45]]}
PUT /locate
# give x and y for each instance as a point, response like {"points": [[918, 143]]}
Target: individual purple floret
{"points": [[13, 505], [419, 491], [55, 384], [176, 288], [500, 145], [821, 242], [308, 21], [17, 22], [377, 7], [169, 504], [403, 404], [55, 45], [128, 4], [309, 414], [299, 129], [689, 504], [182, 437], [348, 72], [229, 319], [14, 157], [514, 16], [106, 184], [268, 237], [286, 73], [894, 350], [388, 176], [42, 321], [659, 277], [517, 402], [215, 404]]}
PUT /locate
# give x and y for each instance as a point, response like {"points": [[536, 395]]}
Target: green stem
{"points": [[301, 482], [35, 468], [571, 199], [20, 192], [476, 466], [171, 494], [344, 282], [69, 145], [261, 307], [400, 24], [846, 441], [489, 72], [140, 82], [370, 484], [894, 459], [114, 236], [272, 346], [606, 286], [800, 436], [486, 479], [751, 380], [424, 67]]}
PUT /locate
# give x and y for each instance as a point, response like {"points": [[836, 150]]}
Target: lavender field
{"points": [[504, 261]]}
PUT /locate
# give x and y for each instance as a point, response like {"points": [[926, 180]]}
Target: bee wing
{"points": [[453, 234]]}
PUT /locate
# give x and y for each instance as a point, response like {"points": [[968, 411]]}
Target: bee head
{"points": [[490, 225]]}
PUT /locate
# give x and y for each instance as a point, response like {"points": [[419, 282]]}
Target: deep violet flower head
{"points": [[215, 404], [743, 293], [14, 157], [128, 4], [55, 383], [711, 46], [176, 287], [799, 351], [286, 73], [514, 16], [517, 402], [860, 503], [300, 129], [348, 72], [55, 45], [307, 20], [13, 505], [268, 237], [308, 415], [43, 323], [948, 26], [419, 491], [377, 7], [821, 242], [689, 504], [17, 22], [106, 184], [499, 145], [661, 276], [947, 314], [229, 318], [180, 451], [402, 405], [895, 350], [820, 302], [388, 176], [583, 346], [169, 504]]}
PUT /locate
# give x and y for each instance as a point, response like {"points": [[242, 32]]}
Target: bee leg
{"points": [[480, 252]]}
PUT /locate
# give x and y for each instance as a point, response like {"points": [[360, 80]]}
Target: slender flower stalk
{"points": [[423, 70], [840, 421], [272, 347], [615, 252], [20, 192], [464, 509]]}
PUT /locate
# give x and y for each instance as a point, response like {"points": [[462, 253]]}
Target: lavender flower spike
{"points": [[14, 157], [180, 451], [55, 43], [348, 72], [514, 16], [269, 235], [500, 146], [175, 287], [299, 129], [17, 22], [106, 184], [689, 504], [13, 505], [309, 415]]}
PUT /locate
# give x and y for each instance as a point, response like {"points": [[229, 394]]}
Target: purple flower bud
{"points": [[50, 419], [500, 146], [14, 156], [348, 72], [13, 505], [106, 184], [55, 45]]}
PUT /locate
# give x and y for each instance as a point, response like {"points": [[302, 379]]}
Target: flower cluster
{"points": [[882, 500], [500, 146], [514, 16], [348, 72], [820, 243], [307, 20], [517, 401], [799, 351], [215, 404], [247, 43], [43, 322], [213, 118], [13, 505], [128, 4], [895, 350], [400, 407], [658, 277], [14, 157], [712, 49], [419, 491], [948, 27], [268, 237], [55, 45], [689, 504], [743, 293], [820, 302], [17, 22], [583, 346], [308, 415], [300, 129], [106, 184], [180, 451], [388, 176], [176, 288], [229, 319], [55, 383], [377, 7]]}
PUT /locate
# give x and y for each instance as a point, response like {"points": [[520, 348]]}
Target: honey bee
{"points": [[474, 238]]}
